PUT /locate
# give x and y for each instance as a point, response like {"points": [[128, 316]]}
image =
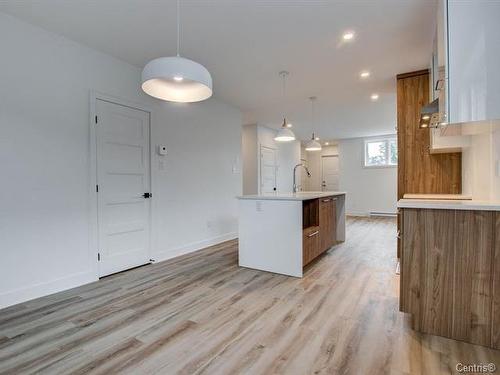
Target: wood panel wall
{"points": [[419, 171]]}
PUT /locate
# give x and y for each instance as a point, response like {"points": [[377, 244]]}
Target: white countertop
{"points": [[300, 196], [437, 196], [449, 204]]}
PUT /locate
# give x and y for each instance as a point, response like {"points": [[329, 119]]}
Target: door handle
{"points": [[313, 234], [147, 195], [439, 85]]}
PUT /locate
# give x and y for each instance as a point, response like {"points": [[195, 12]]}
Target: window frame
{"points": [[388, 140]]}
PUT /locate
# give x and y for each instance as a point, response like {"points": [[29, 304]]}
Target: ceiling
{"points": [[245, 43]]}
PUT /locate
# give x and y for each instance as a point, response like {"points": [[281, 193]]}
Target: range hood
{"points": [[429, 115]]}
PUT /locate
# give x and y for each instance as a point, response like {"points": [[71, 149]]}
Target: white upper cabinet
{"points": [[471, 33]]}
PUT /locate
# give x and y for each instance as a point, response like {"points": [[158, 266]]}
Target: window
{"points": [[381, 152]]}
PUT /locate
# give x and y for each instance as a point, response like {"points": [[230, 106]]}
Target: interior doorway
{"points": [[123, 186], [330, 173], [268, 167]]}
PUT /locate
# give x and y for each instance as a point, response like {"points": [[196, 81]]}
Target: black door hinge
{"points": [[97, 188], [96, 119], [98, 257]]}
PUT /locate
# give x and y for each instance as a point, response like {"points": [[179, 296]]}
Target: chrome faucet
{"points": [[295, 187]]}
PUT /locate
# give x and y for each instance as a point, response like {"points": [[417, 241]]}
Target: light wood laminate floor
{"points": [[202, 314]]}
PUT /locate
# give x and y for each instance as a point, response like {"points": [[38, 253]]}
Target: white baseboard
{"points": [[382, 213], [358, 213], [369, 214], [186, 249], [43, 289]]}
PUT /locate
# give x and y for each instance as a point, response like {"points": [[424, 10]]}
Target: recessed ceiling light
{"points": [[348, 35], [374, 97], [364, 74], [178, 78], [316, 138], [288, 125], [327, 143]]}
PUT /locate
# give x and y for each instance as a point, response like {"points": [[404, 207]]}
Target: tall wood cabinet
{"points": [[420, 171]]}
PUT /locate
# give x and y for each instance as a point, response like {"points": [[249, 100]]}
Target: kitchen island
{"points": [[282, 233]]}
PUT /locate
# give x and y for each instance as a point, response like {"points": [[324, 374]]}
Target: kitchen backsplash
{"points": [[481, 160]]}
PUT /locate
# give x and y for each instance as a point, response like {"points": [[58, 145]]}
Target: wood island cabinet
{"points": [[327, 222], [311, 245], [319, 227], [282, 233]]}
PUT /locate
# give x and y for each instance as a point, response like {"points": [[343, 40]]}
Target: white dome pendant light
{"points": [[313, 145], [284, 134], [176, 79]]}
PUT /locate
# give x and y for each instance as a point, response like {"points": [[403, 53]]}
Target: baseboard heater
{"points": [[388, 214]]}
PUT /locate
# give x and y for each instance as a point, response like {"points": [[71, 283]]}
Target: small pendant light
{"points": [[313, 145], [285, 134], [177, 79]]}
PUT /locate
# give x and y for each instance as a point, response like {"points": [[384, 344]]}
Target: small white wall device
{"points": [[162, 150]]}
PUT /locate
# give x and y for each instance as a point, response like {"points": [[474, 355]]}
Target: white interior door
{"points": [[330, 173], [268, 168], [123, 178]]}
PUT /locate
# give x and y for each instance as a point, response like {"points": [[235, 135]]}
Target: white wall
{"points": [[368, 189], [44, 153], [288, 155], [481, 160], [250, 159], [313, 159]]}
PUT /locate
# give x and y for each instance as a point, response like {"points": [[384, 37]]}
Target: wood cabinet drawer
{"points": [[310, 244]]}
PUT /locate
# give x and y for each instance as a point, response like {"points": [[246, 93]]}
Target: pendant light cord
{"points": [[178, 27], [312, 116], [312, 99], [283, 75]]}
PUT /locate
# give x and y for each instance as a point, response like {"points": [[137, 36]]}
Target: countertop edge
{"points": [[290, 197], [469, 205]]}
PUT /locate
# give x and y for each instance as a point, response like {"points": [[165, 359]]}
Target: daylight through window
{"points": [[381, 152]]}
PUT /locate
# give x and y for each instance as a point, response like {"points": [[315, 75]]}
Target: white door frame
{"points": [[93, 212], [275, 167], [322, 172]]}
